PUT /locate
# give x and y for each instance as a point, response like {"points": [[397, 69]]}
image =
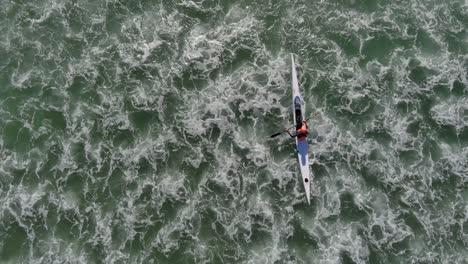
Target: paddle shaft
{"points": [[287, 129]]}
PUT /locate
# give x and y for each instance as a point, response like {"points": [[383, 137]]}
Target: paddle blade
{"points": [[275, 135]]}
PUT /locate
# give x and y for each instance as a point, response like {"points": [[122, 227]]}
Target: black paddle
{"points": [[286, 129], [279, 133]]}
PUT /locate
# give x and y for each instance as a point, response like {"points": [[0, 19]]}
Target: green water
{"points": [[138, 131]]}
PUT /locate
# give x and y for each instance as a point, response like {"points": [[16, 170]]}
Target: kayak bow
{"points": [[302, 146]]}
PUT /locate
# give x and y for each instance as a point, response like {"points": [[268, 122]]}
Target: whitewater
{"points": [[139, 131]]}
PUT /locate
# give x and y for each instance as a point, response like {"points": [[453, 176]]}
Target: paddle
{"points": [[286, 129], [279, 133]]}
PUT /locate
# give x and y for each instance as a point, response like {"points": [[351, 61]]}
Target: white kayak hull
{"points": [[301, 144]]}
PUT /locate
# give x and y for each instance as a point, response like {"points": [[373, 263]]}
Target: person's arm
{"points": [[287, 130]]}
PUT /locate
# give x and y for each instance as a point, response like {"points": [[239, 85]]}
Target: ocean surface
{"points": [[139, 131]]}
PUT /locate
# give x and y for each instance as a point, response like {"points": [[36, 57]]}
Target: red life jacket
{"points": [[302, 132]]}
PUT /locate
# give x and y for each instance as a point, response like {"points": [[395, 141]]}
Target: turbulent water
{"points": [[139, 131]]}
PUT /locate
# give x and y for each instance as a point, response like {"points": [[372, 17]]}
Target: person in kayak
{"points": [[301, 131]]}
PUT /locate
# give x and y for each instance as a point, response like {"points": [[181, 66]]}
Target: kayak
{"points": [[302, 146]]}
